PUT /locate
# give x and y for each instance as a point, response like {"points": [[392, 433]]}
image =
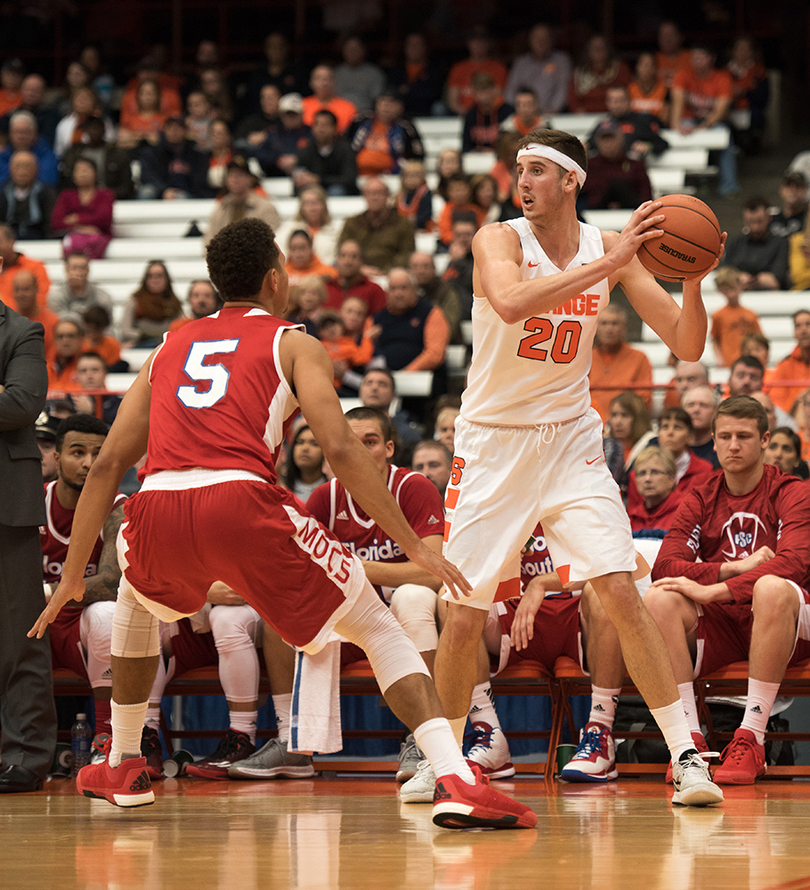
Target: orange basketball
{"points": [[690, 243]]}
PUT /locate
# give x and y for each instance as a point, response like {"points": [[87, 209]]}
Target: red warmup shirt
{"points": [[660, 518], [716, 527], [54, 538], [416, 496], [220, 363]]}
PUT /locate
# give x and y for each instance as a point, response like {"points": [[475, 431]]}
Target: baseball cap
{"points": [[607, 128], [45, 427], [291, 102], [239, 162], [793, 177]]}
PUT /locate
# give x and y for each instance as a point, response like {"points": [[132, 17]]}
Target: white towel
{"points": [[315, 709]]}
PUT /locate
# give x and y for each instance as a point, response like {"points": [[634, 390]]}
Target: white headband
{"points": [[546, 151]]}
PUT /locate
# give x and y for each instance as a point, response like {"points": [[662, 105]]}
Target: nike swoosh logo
{"points": [[533, 265], [589, 462]]}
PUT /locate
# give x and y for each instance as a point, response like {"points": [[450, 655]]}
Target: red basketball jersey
{"points": [[54, 537], [714, 526], [219, 398], [417, 497]]}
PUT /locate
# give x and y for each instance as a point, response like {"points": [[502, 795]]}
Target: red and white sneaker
{"points": [[742, 761], [489, 750], [126, 785], [702, 748], [595, 757], [459, 805], [234, 747]]}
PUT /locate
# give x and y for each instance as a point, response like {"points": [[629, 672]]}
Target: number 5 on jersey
{"points": [[216, 375]]}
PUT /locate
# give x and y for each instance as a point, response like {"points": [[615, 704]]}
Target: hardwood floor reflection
{"points": [[353, 834]]}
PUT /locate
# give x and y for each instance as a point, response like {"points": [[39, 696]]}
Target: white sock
{"points": [[671, 721], [758, 704], [457, 724], [244, 721], [482, 706], [127, 728], [435, 738], [689, 702], [603, 705], [282, 705], [153, 717]]}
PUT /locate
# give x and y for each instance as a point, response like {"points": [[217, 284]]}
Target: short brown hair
{"points": [[562, 141], [744, 408]]}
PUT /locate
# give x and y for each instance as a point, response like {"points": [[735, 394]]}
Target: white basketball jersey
{"points": [[535, 371]]}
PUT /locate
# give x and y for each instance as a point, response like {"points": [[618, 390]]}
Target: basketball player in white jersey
{"points": [[528, 445]]}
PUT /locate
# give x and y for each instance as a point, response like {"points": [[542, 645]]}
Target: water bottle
{"points": [[81, 737]]}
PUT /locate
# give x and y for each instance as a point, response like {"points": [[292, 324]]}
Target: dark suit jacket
{"points": [[24, 376]]}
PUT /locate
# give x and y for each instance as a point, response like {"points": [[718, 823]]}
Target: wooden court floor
{"points": [[353, 834]]}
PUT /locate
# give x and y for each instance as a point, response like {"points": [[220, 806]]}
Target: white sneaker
{"points": [[420, 788], [693, 783], [490, 750]]}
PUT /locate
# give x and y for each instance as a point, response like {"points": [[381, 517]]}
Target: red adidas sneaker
{"points": [[743, 760], [459, 805], [127, 785]]}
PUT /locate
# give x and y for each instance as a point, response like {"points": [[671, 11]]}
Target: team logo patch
{"points": [[743, 532]]}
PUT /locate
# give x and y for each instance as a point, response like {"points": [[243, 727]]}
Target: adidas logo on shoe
{"points": [[441, 793], [142, 782]]}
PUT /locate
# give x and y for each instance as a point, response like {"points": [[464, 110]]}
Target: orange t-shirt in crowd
{"points": [[344, 349], [446, 218], [792, 368], [48, 320], [461, 73], [625, 369], [729, 325], [142, 123], [170, 105], [316, 267], [9, 101], [109, 349], [702, 93], [375, 155], [648, 103], [669, 66], [27, 264], [342, 109], [66, 379]]}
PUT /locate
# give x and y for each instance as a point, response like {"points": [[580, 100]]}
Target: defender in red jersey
{"points": [[80, 637], [212, 404], [731, 580]]}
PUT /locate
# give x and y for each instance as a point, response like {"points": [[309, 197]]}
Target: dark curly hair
{"points": [[240, 256]]}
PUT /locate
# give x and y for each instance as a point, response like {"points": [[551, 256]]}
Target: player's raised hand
{"points": [[437, 565], [642, 226], [63, 594]]}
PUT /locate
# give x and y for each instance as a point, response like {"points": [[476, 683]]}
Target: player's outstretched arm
{"points": [[308, 368], [123, 447], [683, 328]]}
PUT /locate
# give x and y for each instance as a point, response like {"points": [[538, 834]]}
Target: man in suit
{"points": [[27, 713]]}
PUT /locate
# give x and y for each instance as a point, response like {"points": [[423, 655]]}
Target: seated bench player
{"points": [[731, 578], [548, 622], [80, 637], [211, 447], [408, 590]]}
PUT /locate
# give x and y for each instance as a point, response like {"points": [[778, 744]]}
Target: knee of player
{"points": [[232, 629], [412, 600], [666, 605], [463, 627], [97, 619], [774, 596]]}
